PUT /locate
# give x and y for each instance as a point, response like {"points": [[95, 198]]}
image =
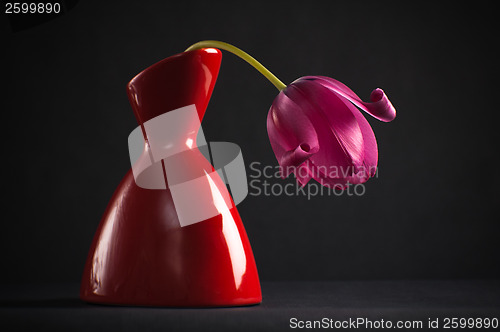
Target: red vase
{"points": [[143, 253]]}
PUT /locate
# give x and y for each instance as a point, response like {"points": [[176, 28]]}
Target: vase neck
{"points": [[181, 80]]}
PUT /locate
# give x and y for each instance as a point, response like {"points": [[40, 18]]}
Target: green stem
{"points": [[243, 55]]}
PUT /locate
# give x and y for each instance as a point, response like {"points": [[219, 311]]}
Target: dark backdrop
{"points": [[431, 213]]}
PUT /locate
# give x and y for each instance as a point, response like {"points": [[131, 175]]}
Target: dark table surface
{"points": [[56, 307]]}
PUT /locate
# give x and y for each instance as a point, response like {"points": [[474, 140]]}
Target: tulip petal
{"points": [[370, 143], [380, 107], [338, 131], [369, 168], [292, 136]]}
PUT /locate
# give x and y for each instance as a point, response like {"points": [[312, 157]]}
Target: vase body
{"points": [[148, 250]]}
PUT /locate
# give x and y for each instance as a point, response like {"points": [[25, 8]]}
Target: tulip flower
{"points": [[316, 129], [317, 132]]}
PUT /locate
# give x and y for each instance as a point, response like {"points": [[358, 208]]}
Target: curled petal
{"points": [[294, 158], [380, 107]]}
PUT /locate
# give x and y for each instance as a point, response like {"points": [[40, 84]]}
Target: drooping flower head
{"points": [[316, 131]]}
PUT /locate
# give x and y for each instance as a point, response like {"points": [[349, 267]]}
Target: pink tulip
{"points": [[316, 131]]}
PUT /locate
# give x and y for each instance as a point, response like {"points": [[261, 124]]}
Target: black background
{"points": [[431, 213]]}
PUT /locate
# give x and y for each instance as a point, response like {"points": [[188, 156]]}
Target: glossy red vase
{"points": [[142, 254]]}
